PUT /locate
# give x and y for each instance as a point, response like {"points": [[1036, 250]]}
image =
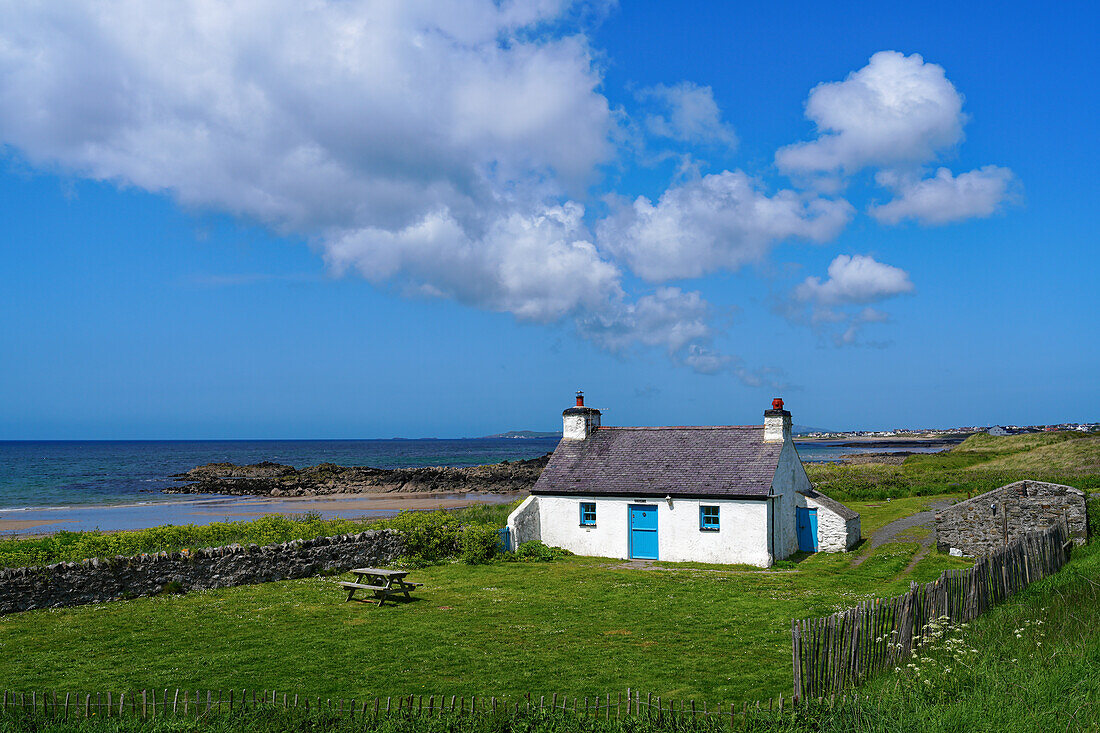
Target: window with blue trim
{"points": [[588, 514], [708, 518]]}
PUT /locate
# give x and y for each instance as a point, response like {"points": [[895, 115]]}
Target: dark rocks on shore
{"points": [[276, 479]]}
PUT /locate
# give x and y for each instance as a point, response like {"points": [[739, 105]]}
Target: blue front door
{"points": [[807, 529], [643, 531]]}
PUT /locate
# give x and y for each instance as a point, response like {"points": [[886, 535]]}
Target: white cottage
{"points": [[716, 494]]}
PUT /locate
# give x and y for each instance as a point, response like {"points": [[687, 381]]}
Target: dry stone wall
{"points": [[989, 521], [98, 580]]}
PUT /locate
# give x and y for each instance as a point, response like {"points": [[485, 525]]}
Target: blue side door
{"points": [[807, 529], [643, 531]]}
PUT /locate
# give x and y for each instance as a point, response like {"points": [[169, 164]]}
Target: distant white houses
{"points": [[717, 494]]}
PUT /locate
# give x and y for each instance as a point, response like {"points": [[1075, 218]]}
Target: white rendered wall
{"points": [[855, 532], [742, 537], [834, 533], [579, 427], [524, 523], [790, 478]]}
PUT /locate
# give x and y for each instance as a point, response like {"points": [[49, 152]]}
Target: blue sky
{"points": [[373, 220]]}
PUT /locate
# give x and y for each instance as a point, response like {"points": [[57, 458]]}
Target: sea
{"points": [[47, 486]]}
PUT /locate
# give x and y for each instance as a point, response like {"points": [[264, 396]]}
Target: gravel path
{"points": [[891, 531]]}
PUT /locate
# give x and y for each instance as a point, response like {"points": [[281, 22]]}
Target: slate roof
{"points": [[731, 461], [831, 504]]}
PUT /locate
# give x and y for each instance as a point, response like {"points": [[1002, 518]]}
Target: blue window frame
{"points": [[588, 514], [708, 518]]}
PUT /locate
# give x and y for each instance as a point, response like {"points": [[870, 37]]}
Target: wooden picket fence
{"points": [[836, 651], [207, 703]]}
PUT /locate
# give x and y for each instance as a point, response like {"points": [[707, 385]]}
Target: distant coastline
{"points": [[80, 485]]}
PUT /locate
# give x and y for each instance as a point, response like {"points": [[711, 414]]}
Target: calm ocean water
{"points": [[38, 474], [35, 474]]}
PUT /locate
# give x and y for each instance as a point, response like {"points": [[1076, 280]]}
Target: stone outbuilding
{"points": [[837, 527], [716, 494], [991, 520]]}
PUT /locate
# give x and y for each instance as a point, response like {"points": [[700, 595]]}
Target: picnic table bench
{"points": [[384, 583]]}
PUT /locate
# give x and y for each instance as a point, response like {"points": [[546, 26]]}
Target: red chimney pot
{"points": [[777, 403], [580, 399]]}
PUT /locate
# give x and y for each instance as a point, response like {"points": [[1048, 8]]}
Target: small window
{"points": [[708, 518], [588, 514]]}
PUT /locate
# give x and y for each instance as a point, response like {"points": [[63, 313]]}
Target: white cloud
{"points": [[690, 114], [834, 304], [896, 110], [444, 148], [412, 142], [306, 116], [720, 221], [540, 267], [705, 361], [854, 279], [668, 317], [944, 198]]}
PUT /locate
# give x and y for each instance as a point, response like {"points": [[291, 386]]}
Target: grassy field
{"points": [[576, 626], [1031, 664], [982, 462]]}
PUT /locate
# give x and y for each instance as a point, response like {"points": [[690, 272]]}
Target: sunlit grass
{"points": [[977, 465], [575, 626]]}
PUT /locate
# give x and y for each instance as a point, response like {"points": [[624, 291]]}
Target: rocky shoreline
{"points": [[279, 480]]}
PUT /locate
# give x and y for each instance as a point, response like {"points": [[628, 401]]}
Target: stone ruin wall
{"points": [[95, 581], [974, 529]]}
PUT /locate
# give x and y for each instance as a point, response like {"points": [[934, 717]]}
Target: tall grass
{"points": [[979, 464], [270, 530]]}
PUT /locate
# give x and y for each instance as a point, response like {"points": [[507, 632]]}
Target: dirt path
{"points": [[892, 533]]}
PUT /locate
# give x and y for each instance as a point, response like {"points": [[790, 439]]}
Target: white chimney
{"points": [[579, 422], [777, 423]]}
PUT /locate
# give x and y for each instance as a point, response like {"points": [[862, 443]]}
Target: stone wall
{"points": [[991, 520], [95, 581]]}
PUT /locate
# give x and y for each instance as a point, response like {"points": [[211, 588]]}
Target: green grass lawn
{"points": [[577, 626], [874, 515], [1031, 664]]}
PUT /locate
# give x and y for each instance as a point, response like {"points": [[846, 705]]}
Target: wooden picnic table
{"points": [[385, 583]]}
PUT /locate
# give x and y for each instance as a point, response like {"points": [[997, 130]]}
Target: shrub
{"points": [[536, 551], [480, 544], [430, 537], [174, 587], [471, 534]]}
